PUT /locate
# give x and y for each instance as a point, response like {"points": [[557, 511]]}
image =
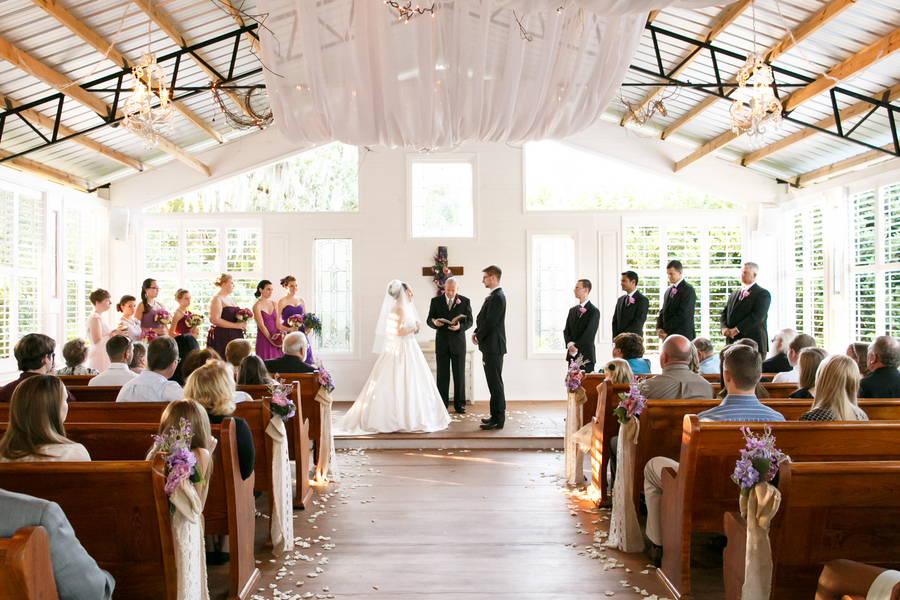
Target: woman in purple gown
{"points": [[185, 337], [149, 306], [223, 325], [269, 330], [291, 305]]}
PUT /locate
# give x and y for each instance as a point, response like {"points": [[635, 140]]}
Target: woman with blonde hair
{"points": [[808, 364], [212, 386], [35, 432], [223, 324], [202, 441], [837, 383], [618, 371]]}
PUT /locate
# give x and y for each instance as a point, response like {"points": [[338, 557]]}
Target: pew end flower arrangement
{"points": [[759, 460], [325, 379], [281, 404], [575, 374], [180, 462], [632, 404], [162, 317], [243, 315]]}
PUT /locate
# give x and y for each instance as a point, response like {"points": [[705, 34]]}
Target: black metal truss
{"points": [[120, 84], [793, 80]]}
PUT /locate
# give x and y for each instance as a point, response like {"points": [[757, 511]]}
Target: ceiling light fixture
{"points": [[149, 82]]}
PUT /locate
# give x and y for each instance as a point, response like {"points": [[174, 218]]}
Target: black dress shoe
{"points": [[489, 426], [491, 420], [460, 411]]}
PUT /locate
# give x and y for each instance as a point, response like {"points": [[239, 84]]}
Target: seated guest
{"points": [[810, 359], [76, 574], [709, 358], [196, 359], [294, 347], [837, 381], [119, 349], [799, 343], [235, 352], [253, 372], [212, 386], [630, 347], [35, 431], [202, 441], [138, 358], [778, 353], [883, 380], [761, 391], [618, 371], [75, 353], [858, 351], [694, 363], [676, 380], [35, 355], [742, 373], [153, 384]]}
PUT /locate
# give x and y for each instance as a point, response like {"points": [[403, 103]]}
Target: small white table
{"points": [[430, 357]]}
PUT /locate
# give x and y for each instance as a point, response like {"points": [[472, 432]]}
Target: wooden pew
{"points": [[75, 380], [776, 390], [696, 498], [605, 427], [25, 569], [590, 383], [308, 385], [119, 512], [100, 393], [828, 510]]}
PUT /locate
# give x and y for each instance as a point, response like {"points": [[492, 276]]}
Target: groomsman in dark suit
{"points": [[631, 309], [490, 337], [677, 313], [581, 327], [450, 342], [746, 313]]}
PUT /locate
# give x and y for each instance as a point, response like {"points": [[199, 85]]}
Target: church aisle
{"points": [[450, 523]]}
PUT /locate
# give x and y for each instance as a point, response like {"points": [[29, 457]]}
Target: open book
{"points": [[453, 321]]}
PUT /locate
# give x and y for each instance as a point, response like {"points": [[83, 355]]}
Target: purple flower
{"points": [[759, 460], [744, 473]]}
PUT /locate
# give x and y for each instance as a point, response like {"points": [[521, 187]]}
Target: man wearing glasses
{"points": [[35, 355], [153, 384]]}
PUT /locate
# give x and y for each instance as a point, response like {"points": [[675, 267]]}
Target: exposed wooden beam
{"points": [[47, 123], [182, 155], [857, 63], [816, 22], [718, 27], [652, 16], [866, 159], [240, 21], [26, 165], [848, 113], [93, 40], [169, 28], [54, 79]]}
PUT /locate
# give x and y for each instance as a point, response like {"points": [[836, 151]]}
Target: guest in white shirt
{"points": [[35, 432], [709, 358], [797, 344], [120, 351], [153, 385]]}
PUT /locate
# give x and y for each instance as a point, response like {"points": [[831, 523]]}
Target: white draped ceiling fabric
{"points": [[350, 71]]}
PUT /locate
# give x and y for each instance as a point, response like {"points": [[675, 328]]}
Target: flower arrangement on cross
{"points": [[441, 270]]}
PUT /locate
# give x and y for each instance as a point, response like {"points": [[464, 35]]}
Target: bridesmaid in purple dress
{"points": [[148, 308], [223, 325], [269, 329], [291, 305], [185, 337]]}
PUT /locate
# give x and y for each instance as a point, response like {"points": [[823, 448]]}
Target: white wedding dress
{"points": [[400, 394]]}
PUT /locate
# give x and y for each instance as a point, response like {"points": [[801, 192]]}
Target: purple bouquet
{"points": [[324, 377], [759, 461], [192, 319], [243, 315], [575, 375], [180, 461], [631, 405], [148, 336], [313, 324], [281, 405], [295, 321], [162, 317]]}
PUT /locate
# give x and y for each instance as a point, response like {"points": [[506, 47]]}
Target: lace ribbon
{"points": [[574, 460], [190, 548], [759, 509], [326, 460], [282, 521], [624, 529]]}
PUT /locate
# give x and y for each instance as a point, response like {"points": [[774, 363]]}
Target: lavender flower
{"points": [[759, 461], [281, 404]]}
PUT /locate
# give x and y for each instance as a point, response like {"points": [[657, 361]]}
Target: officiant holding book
{"points": [[450, 315]]}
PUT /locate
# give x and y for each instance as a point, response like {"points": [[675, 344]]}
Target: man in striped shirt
{"points": [[743, 368]]}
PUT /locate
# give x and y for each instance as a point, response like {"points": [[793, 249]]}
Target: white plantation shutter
{"points": [[817, 304], [201, 250], [82, 275], [683, 244], [892, 308], [244, 249], [864, 307], [720, 289], [891, 214], [862, 228], [803, 303]]}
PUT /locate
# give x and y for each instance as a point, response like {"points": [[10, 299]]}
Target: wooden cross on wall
{"points": [[439, 271]]}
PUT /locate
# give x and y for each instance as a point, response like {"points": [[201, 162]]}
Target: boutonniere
{"points": [[630, 299], [674, 290], [744, 294], [457, 301], [582, 310]]}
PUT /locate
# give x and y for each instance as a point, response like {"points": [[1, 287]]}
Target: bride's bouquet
{"points": [[243, 315], [192, 319], [162, 317], [281, 404]]}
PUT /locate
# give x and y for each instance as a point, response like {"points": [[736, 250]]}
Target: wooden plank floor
{"points": [[449, 524]]}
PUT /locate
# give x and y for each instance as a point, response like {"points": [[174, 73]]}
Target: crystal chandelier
{"points": [[149, 82], [755, 105]]}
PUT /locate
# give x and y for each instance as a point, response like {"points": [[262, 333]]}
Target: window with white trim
{"points": [[803, 303], [21, 265], [711, 255], [82, 266], [334, 293], [190, 254], [553, 279], [441, 195], [874, 217]]}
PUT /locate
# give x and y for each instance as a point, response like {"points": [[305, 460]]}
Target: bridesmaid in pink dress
{"points": [[291, 305], [98, 331], [269, 329]]}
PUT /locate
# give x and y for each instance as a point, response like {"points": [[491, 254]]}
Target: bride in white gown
{"points": [[400, 394]]}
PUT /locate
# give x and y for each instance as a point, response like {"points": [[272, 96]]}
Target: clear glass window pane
{"points": [[334, 293], [725, 247], [684, 245], [553, 268], [442, 199], [892, 288], [244, 250], [719, 290]]}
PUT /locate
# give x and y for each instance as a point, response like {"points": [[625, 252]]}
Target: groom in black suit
{"points": [[581, 327], [745, 314], [450, 343], [490, 337], [631, 309]]}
